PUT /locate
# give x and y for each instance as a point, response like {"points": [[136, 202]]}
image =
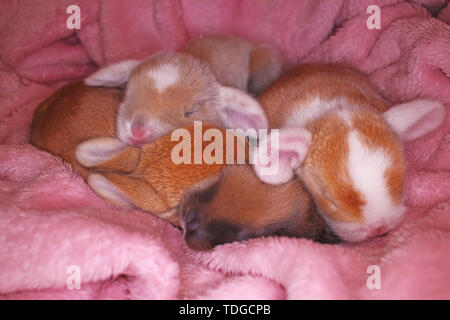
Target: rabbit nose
{"points": [[139, 132]]}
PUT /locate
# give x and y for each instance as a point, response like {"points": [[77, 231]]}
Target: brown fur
{"points": [[239, 206], [324, 171], [71, 115], [237, 62], [157, 184], [327, 159], [227, 56], [77, 113], [245, 205], [203, 66], [305, 82]]}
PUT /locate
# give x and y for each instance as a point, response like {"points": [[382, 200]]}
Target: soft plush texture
{"points": [[50, 219]]}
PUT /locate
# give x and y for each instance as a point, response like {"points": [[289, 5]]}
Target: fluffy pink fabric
{"points": [[50, 219]]}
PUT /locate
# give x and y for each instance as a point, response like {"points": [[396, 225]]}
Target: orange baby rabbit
{"points": [[150, 178], [171, 90], [71, 115], [77, 113], [353, 164]]}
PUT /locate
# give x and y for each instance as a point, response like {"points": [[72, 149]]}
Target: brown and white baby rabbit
{"points": [[76, 113], [171, 90], [167, 91], [81, 116], [349, 157], [355, 166]]}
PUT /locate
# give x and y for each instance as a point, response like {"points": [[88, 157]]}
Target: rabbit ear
{"points": [[107, 153], [113, 75], [238, 110], [127, 191], [280, 153], [108, 191], [415, 118]]}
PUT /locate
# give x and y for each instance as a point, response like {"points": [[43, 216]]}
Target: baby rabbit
{"points": [[148, 178], [238, 206], [237, 62], [73, 114], [157, 100], [349, 157], [168, 91], [83, 116], [76, 113], [355, 165], [171, 90]]}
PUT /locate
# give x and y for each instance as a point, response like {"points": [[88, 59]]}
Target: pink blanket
{"points": [[55, 231]]}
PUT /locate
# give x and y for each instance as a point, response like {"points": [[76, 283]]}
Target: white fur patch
{"points": [[107, 190], [306, 112], [314, 109], [95, 151], [356, 232], [367, 168], [345, 116], [164, 76], [123, 131]]}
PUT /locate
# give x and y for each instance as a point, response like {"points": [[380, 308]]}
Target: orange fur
{"points": [[66, 118], [170, 90], [327, 158], [350, 108], [148, 176], [306, 82], [325, 168], [239, 206], [157, 184]]}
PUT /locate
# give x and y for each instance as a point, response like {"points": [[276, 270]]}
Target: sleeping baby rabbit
{"points": [[167, 91], [339, 139], [171, 90]]}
